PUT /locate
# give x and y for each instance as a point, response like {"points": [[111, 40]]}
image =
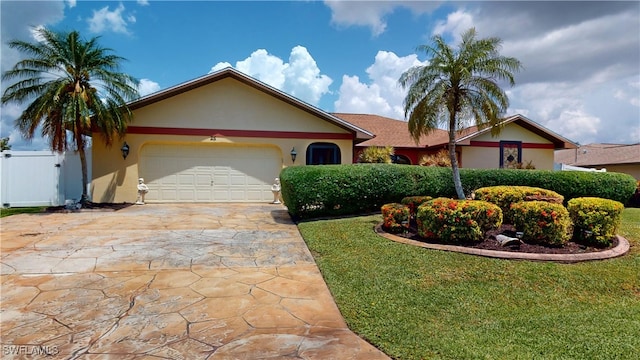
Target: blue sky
{"points": [[581, 59]]}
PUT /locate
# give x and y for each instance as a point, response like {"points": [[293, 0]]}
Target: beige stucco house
{"points": [[226, 136], [521, 141], [223, 137]]}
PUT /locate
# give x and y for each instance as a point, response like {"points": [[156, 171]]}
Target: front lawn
{"points": [[415, 303], [24, 210]]}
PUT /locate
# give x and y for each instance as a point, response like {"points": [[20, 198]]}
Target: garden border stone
{"points": [[621, 249]]}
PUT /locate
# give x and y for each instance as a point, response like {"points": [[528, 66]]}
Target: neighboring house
{"points": [[613, 157], [223, 137], [226, 136], [521, 141]]}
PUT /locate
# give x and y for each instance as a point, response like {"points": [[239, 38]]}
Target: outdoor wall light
{"points": [[294, 153], [125, 150]]}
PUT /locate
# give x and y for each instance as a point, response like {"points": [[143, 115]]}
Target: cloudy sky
{"points": [[581, 60]]}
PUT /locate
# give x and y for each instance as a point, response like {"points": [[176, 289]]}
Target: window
{"points": [[510, 154], [400, 159], [323, 154]]}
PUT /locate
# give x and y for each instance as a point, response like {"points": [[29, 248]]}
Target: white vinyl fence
{"points": [[40, 178]]}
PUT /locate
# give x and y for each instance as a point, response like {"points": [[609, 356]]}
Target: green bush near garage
{"points": [[335, 190]]}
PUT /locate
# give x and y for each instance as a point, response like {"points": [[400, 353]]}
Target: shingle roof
{"points": [[599, 154], [396, 132], [387, 131]]}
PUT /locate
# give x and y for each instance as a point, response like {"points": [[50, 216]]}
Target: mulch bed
{"points": [[90, 206], [490, 243]]}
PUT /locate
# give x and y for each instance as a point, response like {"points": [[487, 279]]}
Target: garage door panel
{"points": [[209, 174]]}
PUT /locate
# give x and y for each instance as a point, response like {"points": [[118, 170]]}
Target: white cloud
{"points": [[302, 77], [455, 24], [576, 124], [372, 13], [147, 87], [299, 77], [629, 93], [143, 2], [265, 67], [381, 94], [71, 3], [105, 20]]}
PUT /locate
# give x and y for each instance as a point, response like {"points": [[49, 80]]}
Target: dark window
{"points": [[323, 154], [400, 159], [510, 154]]}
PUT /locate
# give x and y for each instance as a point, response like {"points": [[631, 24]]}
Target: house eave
{"points": [[559, 142], [357, 132]]}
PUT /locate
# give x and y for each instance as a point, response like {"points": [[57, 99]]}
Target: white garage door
{"points": [[216, 173]]}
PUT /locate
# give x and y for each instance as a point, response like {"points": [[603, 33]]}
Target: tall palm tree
{"points": [[73, 86], [458, 85]]}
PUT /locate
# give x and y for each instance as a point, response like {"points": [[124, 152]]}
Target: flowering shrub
{"points": [[504, 196], [595, 220], [414, 201], [395, 217], [542, 222], [457, 221]]}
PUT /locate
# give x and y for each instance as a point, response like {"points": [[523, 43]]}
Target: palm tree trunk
{"points": [[85, 175], [83, 157], [452, 155]]}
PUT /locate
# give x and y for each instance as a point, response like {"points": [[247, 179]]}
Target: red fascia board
{"points": [[237, 133], [524, 145]]}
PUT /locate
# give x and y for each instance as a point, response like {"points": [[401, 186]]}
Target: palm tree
{"points": [[458, 85], [73, 86]]}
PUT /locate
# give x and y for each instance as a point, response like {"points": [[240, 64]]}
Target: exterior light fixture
{"points": [[125, 150], [294, 154]]}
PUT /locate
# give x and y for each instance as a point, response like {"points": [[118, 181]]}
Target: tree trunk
{"points": [[83, 157], [452, 155], [85, 177]]}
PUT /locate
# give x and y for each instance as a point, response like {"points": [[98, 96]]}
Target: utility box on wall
{"points": [[40, 178]]}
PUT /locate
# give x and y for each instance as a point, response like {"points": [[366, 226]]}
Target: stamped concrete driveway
{"points": [[167, 281]]}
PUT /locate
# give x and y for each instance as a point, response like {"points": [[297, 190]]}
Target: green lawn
{"points": [[415, 303], [26, 210]]}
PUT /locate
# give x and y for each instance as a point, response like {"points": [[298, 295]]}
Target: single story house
{"points": [[622, 158], [225, 137], [521, 141]]}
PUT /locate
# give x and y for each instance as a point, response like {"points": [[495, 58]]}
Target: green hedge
{"points": [[331, 190]]}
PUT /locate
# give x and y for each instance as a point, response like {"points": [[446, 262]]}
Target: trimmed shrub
{"points": [[570, 184], [414, 201], [395, 217], [504, 196], [332, 190], [542, 222], [457, 221], [595, 220]]}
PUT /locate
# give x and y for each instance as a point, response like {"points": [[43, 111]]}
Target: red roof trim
{"points": [[236, 133], [524, 145]]}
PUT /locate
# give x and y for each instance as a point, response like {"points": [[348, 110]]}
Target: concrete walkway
{"points": [[208, 281]]}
